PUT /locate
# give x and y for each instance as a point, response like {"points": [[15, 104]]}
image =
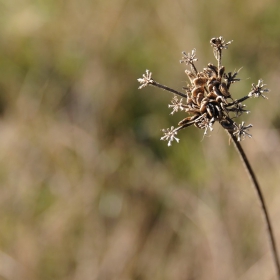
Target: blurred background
{"points": [[87, 189]]}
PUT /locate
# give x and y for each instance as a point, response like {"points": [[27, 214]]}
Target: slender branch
{"points": [[237, 101], [193, 68], [219, 59], [156, 84], [262, 201]]}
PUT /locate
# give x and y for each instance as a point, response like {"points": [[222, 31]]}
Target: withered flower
{"points": [[258, 90], [169, 134], [147, 79], [207, 98]]}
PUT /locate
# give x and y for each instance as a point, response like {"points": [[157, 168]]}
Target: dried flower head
{"points": [[218, 45], [207, 98], [169, 135], [258, 90], [147, 79]]}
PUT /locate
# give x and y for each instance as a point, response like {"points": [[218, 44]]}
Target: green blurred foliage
{"points": [[88, 191]]}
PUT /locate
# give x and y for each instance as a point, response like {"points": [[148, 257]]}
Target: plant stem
{"points": [[156, 84], [237, 101], [262, 201]]}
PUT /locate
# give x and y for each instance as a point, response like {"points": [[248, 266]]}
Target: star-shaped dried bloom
{"points": [[241, 131], [176, 104], [218, 45], [238, 109], [146, 80], [258, 90], [231, 78], [206, 124], [169, 134], [189, 58]]}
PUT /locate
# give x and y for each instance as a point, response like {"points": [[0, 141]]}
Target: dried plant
{"points": [[207, 99]]}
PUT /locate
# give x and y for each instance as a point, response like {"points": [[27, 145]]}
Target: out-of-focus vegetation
{"points": [[87, 189]]}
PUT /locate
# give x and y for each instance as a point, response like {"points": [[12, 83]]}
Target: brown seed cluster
{"points": [[207, 97]]}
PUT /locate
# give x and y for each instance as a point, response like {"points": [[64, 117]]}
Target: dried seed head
{"points": [[219, 43], [258, 90], [241, 131], [176, 104], [146, 80], [189, 59], [207, 98], [169, 135]]}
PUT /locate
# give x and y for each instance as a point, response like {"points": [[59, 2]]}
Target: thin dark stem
{"points": [[237, 101], [156, 84], [261, 198], [193, 68]]}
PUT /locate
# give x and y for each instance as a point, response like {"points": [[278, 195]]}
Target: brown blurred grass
{"points": [[87, 189]]}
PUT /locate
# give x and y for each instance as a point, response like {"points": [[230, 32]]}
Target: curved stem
{"points": [[261, 198]]}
